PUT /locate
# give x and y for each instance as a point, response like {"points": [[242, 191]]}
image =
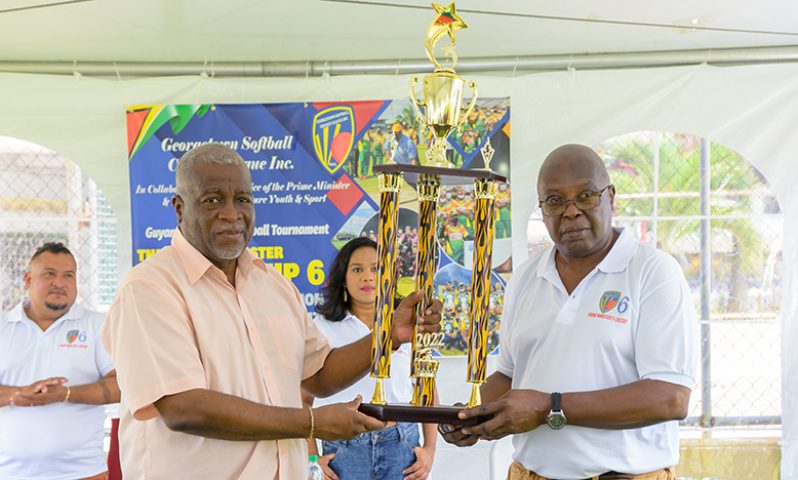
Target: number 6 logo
{"points": [[623, 305]]}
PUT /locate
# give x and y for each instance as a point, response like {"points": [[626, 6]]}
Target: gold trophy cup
{"points": [[443, 113]]}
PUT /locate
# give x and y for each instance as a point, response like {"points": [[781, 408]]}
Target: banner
{"points": [[314, 186]]}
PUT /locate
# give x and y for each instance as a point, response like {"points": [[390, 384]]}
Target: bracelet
{"points": [[69, 392], [312, 422]]}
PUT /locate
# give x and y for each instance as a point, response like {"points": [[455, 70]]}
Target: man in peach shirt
{"points": [[211, 346]]}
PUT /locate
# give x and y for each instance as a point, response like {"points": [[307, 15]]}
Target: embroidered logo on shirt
{"points": [[75, 339], [609, 301]]}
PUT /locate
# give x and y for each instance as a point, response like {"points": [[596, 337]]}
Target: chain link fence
{"points": [[45, 197], [714, 212]]}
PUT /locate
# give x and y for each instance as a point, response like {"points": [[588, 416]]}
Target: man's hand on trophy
{"points": [[404, 318], [516, 411], [455, 435], [342, 421]]}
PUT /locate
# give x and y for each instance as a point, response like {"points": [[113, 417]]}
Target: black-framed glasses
{"points": [[556, 205]]}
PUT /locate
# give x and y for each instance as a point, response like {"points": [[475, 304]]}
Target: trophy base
{"points": [[411, 413]]}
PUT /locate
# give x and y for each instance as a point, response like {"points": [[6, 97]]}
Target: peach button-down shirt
{"points": [[176, 325]]}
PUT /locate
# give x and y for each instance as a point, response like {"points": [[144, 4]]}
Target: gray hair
{"points": [[210, 153]]}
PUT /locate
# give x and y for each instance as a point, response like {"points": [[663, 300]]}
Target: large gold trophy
{"points": [[443, 112]]}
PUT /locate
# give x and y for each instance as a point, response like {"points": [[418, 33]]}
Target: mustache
{"points": [[57, 290], [235, 228]]}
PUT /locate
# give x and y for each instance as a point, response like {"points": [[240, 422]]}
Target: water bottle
{"points": [[314, 469]]}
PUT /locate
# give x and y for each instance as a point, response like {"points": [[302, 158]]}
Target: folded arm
{"points": [[101, 392], [56, 389]]}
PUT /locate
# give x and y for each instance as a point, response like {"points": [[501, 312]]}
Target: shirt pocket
{"points": [[283, 340]]}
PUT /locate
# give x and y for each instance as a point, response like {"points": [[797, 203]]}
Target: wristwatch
{"points": [[556, 419]]}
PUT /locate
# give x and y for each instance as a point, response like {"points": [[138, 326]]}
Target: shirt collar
{"points": [[621, 253], [546, 265], [17, 314], [615, 261], [196, 264]]}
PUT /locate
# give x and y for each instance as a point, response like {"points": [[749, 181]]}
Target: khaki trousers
{"points": [[518, 472]]}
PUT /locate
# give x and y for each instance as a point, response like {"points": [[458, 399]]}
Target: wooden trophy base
{"points": [[403, 412], [448, 176]]}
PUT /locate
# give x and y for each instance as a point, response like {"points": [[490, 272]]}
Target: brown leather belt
{"points": [[518, 472]]}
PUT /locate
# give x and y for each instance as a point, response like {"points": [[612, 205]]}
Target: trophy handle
{"points": [[416, 104], [466, 111]]}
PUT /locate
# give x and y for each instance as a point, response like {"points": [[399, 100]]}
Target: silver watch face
{"points": [[556, 420]]}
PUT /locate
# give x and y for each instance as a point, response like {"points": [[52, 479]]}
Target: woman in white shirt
{"points": [[347, 314]]}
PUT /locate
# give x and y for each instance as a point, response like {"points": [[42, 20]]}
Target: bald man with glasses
{"points": [[598, 343]]}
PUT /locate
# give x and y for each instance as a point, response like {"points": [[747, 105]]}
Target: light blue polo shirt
{"points": [[60, 441]]}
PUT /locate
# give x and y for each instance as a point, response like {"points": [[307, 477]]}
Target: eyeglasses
{"points": [[556, 205]]}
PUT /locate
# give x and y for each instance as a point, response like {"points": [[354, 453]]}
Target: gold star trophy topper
{"points": [[443, 89], [446, 23]]}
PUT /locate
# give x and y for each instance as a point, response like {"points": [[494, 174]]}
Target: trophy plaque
{"points": [[442, 112]]}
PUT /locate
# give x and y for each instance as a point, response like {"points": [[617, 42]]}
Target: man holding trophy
{"points": [[586, 393]]}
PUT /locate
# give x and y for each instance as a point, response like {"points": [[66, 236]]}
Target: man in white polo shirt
{"points": [[55, 376], [598, 343]]}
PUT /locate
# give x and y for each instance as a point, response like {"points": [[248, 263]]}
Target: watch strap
{"points": [[556, 402]]}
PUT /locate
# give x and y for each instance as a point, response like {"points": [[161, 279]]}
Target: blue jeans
{"points": [[378, 455]]}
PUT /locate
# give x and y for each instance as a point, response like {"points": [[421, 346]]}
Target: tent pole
{"points": [[527, 63]]}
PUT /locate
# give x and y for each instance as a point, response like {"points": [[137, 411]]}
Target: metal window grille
{"points": [[46, 197], [714, 212]]}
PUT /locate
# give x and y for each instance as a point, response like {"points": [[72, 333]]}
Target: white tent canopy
{"points": [[150, 35]]}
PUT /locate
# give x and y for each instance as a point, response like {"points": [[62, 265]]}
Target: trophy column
{"points": [[422, 366], [484, 196], [381, 344]]}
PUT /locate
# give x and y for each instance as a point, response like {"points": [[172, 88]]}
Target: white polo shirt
{"points": [[60, 441], [631, 318], [398, 388]]}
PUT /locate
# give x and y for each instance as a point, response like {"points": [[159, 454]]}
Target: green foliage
{"points": [[738, 250]]}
